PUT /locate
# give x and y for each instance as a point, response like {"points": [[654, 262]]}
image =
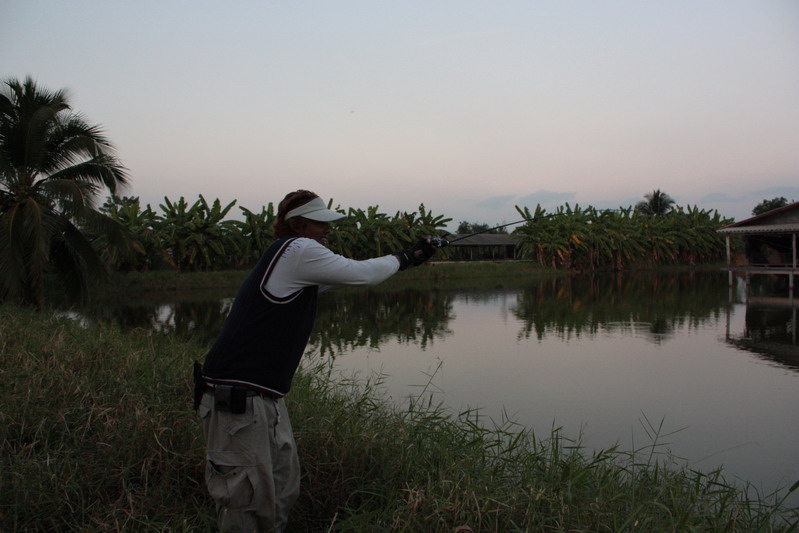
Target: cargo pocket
{"points": [[230, 477]]}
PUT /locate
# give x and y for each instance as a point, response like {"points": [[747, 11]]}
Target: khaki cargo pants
{"points": [[252, 470]]}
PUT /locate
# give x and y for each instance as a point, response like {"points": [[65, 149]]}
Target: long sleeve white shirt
{"points": [[306, 262]]}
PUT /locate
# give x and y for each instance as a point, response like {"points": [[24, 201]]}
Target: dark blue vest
{"points": [[263, 337]]}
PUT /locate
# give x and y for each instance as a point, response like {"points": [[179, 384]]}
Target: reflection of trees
{"points": [[346, 319], [202, 320], [199, 314], [655, 303], [355, 318]]}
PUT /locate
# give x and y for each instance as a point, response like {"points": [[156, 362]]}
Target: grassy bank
{"points": [[97, 434]]}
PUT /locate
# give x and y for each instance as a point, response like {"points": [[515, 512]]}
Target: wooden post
{"points": [[746, 288], [729, 253], [729, 260], [793, 271]]}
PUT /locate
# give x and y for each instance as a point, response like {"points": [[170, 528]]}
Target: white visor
{"points": [[316, 210]]}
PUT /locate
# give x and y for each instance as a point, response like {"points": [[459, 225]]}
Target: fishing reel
{"points": [[438, 242]]}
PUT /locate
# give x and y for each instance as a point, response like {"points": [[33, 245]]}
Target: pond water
{"points": [[707, 371]]}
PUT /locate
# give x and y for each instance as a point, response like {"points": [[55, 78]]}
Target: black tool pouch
{"points": [[230, 399], [198, 384]]}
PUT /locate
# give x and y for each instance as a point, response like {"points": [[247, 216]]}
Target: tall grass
{"points": [[97, 434], [96, 430], [421, 468]]}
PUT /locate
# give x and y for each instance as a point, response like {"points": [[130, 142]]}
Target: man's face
{"points": [[317, 231]]}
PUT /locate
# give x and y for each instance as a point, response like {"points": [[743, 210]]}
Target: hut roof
{"points": [[781, 220]]}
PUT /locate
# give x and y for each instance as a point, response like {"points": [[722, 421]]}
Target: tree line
{"points": [[199, 237], [584, 239]]}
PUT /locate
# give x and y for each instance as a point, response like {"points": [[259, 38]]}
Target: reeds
{"points": [[419, 468], [96, 430], [97, 434]]}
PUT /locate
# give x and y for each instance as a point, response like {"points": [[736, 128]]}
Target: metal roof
{"points": [[781, 220], [764, 228]]}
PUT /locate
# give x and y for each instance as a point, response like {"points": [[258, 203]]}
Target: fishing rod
{"points": [[441, 242]]}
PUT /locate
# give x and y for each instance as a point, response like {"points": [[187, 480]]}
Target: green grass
{"points": [[97, 434]]}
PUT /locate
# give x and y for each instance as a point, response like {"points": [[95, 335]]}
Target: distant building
{"points": [[770, 245], [770, 254], [483, 247]]}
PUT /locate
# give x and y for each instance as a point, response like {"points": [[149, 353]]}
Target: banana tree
{"points": [[552, 239], [254, 234], [196, 237], [365, 234], [142, 249]]}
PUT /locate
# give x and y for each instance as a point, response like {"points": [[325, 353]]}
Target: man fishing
{"points": [[252, 468]]}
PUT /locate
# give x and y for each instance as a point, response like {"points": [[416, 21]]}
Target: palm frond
{"points": [[53, 165]]}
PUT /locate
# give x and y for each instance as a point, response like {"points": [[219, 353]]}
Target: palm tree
{"points": [[53, 165], [656, 203]]}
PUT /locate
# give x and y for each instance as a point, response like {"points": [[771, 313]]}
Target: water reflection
{"points": [[640, 304], [583, 306], [357, 318], [198, 314], [770, 322]]}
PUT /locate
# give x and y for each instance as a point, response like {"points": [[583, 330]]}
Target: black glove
{"points": [[427, 250], [416, 254]]}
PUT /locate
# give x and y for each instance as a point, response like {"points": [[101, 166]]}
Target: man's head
{"points": [[303, 213]]}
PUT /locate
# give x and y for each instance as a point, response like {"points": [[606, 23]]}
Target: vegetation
{"points": [[197, 237], [143, 250], [53, 165], [655, 204], [473, 227], [590, 239], [370, 233], [97, 434], [768, 205]]}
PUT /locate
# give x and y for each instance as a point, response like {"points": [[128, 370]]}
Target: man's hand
{"points": [[423, 250], [416, 254]]}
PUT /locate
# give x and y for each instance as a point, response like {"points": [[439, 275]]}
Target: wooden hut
{"points": [[483, 247], [770, 243]]}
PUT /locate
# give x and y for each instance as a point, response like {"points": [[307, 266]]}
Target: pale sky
{"points": [[470, 107]]}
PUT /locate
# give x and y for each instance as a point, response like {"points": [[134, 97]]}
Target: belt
{"points": [[210, 388]]}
